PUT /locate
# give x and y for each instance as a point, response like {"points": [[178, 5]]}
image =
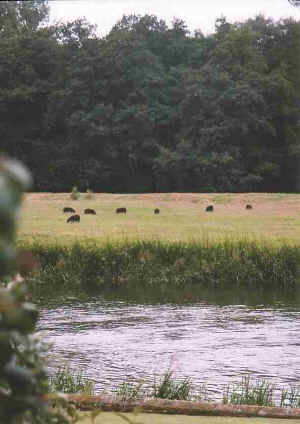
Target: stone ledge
{"points": [[165, 406]]}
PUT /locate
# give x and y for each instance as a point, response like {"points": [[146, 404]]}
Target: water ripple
{"points": [[111, 341]]}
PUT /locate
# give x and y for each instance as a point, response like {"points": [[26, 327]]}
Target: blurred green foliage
{"points": [[23, 379]]}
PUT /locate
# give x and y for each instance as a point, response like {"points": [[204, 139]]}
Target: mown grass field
{"points": [[274, 217], [112, 418]]}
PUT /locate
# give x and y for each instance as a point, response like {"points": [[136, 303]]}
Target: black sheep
{"points": [[209, 208], [121, 210], [90, 211], [156, 211], [67, 209], [74, 218]]}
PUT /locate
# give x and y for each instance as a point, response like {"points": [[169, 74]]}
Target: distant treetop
{"points": [[294, 2]]}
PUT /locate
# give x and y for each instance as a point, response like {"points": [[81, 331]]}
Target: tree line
{"points": [[150, 107]]}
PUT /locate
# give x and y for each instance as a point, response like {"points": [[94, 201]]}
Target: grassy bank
{"points": [[227, 263], [112, 418]]}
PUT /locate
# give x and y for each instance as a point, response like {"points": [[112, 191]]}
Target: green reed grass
{"points": [[67, 381], [167, 386], [290, 397], [248, 393], [261, 392], [221, 264], [170, 388], [129, 390]]}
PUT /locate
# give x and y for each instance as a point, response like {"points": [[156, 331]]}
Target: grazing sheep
{"points": [[121, 210], [248, 207], [74, 218], [209, 208], [90, 211], [156, 211], [67, 209]]}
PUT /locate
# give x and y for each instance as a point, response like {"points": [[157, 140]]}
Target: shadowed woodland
{"points": [[150, 107]]}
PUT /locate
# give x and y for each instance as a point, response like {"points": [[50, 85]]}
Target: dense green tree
{"points": [[28, 52], [19, 16], [280, 44], [150, 107]]}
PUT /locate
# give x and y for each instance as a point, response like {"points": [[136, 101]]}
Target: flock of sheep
{"points": [[76, 217]]}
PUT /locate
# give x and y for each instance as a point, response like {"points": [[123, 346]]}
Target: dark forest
{"points": [[150, 107]]}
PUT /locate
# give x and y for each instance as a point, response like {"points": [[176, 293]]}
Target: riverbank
{"points": [[88, 267]]}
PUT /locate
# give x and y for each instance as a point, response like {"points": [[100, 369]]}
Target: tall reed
{"points": [[170, 388], [67, 381], [155, 263], [248, 393], [167, 386]]}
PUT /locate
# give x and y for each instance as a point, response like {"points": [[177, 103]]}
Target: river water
{"points": [[212, 342]]}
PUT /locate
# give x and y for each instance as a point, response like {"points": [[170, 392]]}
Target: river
{"points": [[115, 339]]}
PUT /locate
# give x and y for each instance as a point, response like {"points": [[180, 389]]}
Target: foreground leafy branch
{"points": [[23, 380]]}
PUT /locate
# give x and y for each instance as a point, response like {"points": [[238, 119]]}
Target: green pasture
{"points": [[113, 418], [182, 217]]}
